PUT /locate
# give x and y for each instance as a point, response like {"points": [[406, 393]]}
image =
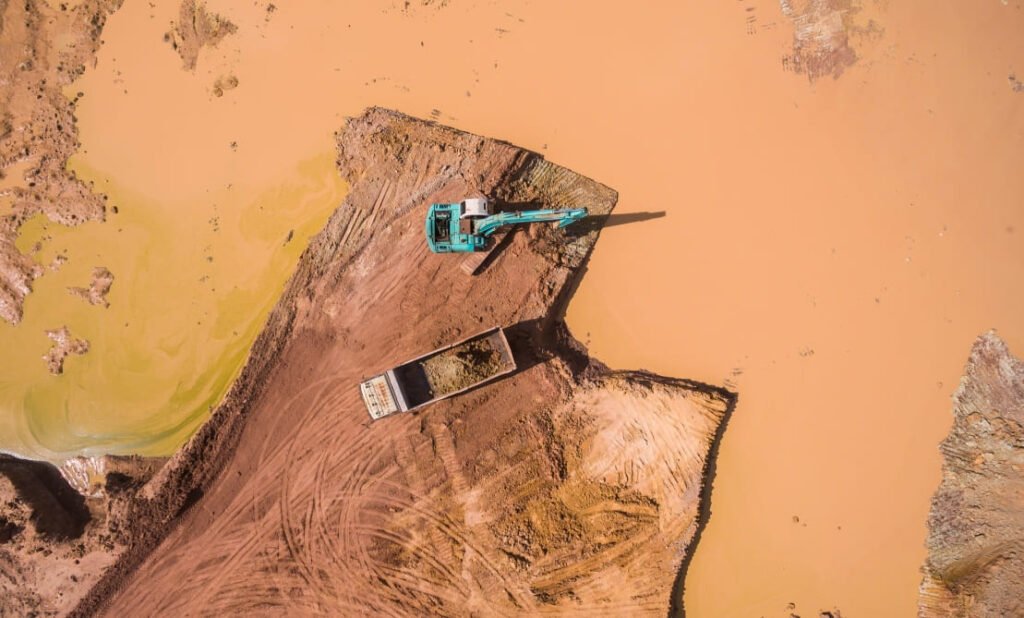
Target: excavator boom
{"points": [[466, 226], [487, 226]]}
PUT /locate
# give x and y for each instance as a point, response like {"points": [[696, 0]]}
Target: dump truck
{"points": [[442, 373]]}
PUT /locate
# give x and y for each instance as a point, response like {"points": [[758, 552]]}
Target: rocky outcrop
{"points": [[975, 564]]}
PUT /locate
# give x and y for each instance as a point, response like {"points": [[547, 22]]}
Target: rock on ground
{"points": [[975, 564]]}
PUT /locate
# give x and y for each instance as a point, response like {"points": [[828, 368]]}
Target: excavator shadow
{"points": [[599, 222], [502, 239], [590, 224], [500, 243]]}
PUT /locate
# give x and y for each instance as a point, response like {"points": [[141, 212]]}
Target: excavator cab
{"points": [[450, 227], [438, 227]]}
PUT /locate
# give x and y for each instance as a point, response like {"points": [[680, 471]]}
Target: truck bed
{"points": [[442, 373]]}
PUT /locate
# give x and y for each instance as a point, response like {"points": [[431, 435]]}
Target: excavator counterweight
{"points": [[467, 226]]}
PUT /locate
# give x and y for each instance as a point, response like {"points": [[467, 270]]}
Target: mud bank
{"points": [[563, 486], [42, 50], [975, 541], [60, 529]]}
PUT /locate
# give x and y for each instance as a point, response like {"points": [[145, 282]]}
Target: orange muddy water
{"points": [[829, 248]]}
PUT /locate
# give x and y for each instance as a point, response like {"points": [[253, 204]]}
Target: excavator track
{"points": [[473, 263]]}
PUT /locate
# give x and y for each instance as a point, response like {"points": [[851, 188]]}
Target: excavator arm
{"points": [[488, 225], [450, 230]]}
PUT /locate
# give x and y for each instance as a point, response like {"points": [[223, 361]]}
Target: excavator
{"points": [[467, 226]]}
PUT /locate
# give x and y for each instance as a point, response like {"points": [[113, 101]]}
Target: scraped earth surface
{"points": [[563, 487], [43, 48], [975, 541], [96, 293]]}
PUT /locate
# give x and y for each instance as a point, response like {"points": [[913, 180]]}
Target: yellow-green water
{"points": [[193, 283]]}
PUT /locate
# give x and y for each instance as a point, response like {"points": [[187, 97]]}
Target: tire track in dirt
{"points": [[445, 451]]}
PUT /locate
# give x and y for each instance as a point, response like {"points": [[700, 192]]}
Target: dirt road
{"points": [[563, 487]]}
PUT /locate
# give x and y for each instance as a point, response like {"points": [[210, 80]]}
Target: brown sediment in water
{"points": [[565, 486], [42, 50], [822, 35], [196, 28], [975, 563], [96, 293], [64, 344], [223, 84]]}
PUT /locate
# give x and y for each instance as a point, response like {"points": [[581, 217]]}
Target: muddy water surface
{"points": [[192, 284], [828, 249]]}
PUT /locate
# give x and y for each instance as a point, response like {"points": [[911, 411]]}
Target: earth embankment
{"points": [[564, 486]]}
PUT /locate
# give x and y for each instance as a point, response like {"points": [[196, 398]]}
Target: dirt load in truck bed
{"points": [[562, 486], [461, 367]]}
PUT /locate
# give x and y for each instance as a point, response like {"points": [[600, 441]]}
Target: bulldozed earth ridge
{"points": [[975, 564], [565, 487]]}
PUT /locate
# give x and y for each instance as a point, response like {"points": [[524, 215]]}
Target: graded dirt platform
{"points": [[563, 487], [975, 561]]}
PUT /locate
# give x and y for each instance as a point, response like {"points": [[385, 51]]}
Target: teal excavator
{"points": [[467, 226]]}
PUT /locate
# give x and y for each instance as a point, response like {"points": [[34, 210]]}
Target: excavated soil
{"points": [[461, 367], [564, 486], [975, 563]]}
